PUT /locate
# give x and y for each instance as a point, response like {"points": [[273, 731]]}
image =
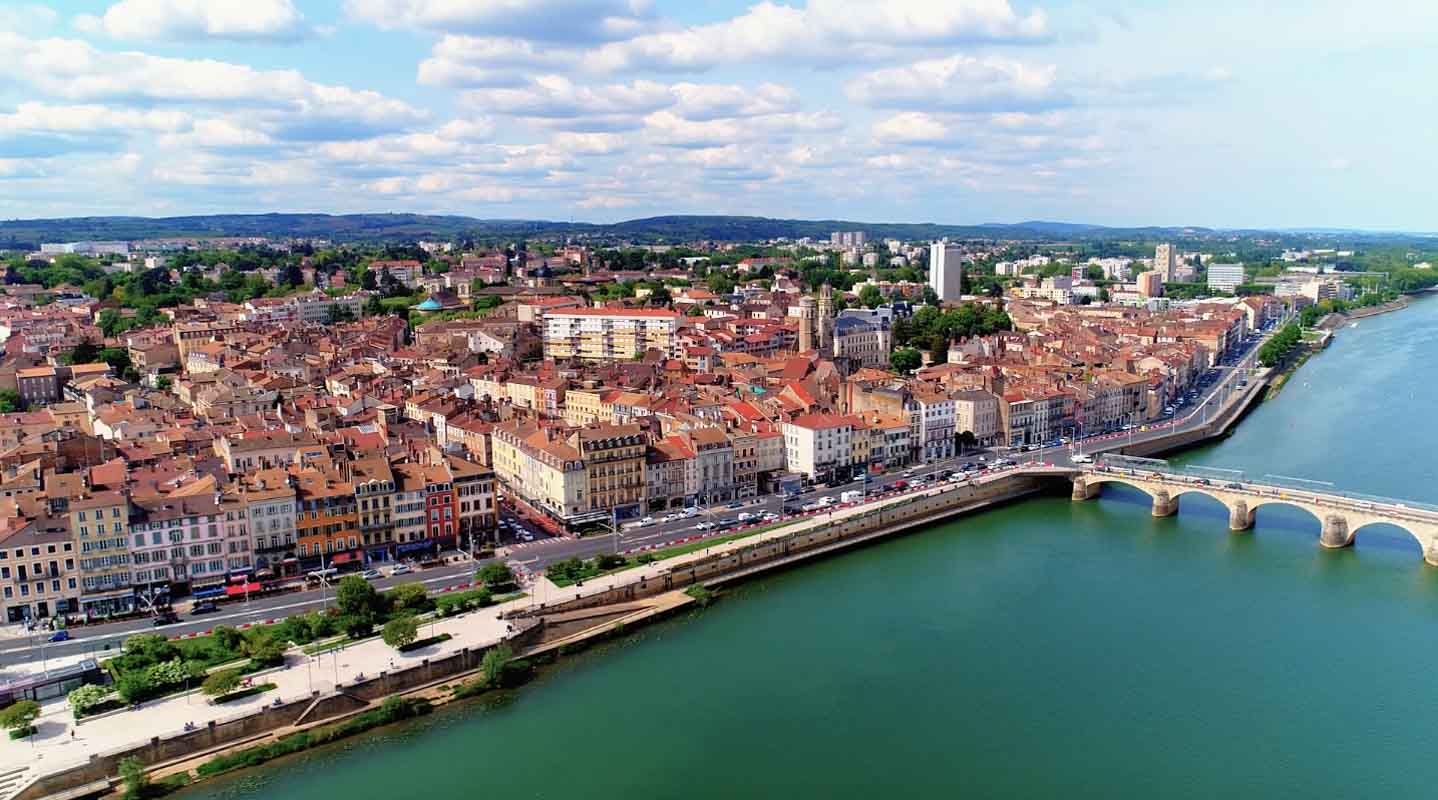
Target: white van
{"points": [[851, 496]]}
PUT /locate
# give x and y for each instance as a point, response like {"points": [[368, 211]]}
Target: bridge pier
{"points": [[1083, 490], [1335, 532], [1430, 551], [1240, 518], [1163, 505]]}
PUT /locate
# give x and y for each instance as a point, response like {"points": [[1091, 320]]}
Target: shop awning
{"points": [[242, 589], [340, 558], [207, 592]]}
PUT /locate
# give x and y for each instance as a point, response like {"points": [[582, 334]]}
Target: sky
{"points": [[1282, 113]]}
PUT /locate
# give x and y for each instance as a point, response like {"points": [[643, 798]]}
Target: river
{"points": [[1045, 649]]}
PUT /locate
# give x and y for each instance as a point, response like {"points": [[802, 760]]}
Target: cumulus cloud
{"points": [[543, 20], [193, 20], [284, 101], [822, 31], [913, 127], [705, 110], [41, 130], [479, 61], [961, 83]]}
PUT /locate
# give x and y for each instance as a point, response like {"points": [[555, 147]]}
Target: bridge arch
{"points": [[1373, 526]]}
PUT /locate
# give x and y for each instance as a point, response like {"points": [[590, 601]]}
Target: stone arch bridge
{"points": [[1342, 516]]}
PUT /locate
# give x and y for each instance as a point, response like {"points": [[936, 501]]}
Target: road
{"points": [[102, 640]]}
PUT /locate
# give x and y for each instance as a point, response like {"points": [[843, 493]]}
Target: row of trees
{"points": [[1280, 345]]}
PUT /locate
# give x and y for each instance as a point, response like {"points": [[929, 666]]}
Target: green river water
{"points": [[1045, 649]]}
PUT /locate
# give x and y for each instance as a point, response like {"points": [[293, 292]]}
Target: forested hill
{"points": [[29, 233]]}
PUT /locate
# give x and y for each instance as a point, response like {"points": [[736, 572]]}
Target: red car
{"points": [[899, 486]]}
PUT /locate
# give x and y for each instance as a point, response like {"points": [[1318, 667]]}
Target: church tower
{"points": [[806, 323], [826, 318]]}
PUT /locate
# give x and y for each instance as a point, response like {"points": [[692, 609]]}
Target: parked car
{"points": [[371, 574], [204, 607], [403, 569], [166, 617]]}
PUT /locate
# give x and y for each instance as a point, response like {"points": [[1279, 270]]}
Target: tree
{"points": [[495, 575], [163, 383], [19, 716], [228, 638], [10, 401], [492, 665], [409, 597], [401, 631], [373, 307], [221, 683], [133, 686], [84, 698], [359, 605], [368, 280], [84, 353], [132, 772], [905, 360], [694, 311], [871, 297], [931, 297], [967, 439]]}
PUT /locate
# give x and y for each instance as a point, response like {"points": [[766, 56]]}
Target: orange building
{"points": [[326, 522]]}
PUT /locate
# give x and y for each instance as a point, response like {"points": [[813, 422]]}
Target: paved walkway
{"points": [[61, 743]]}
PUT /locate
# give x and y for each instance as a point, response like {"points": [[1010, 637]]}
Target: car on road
{"points": [[706, 525], [166, 617], [371, 574], [735, 504], [403, 569], [204, 607], [899, 486], [770, 516], [825, 502], [745, 516], [689, 512], [646, 521], [727, 522], [59, 636], [1081, 458], [815, 506], [1233, 486]]}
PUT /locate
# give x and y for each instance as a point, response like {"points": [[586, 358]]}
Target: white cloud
{"points": [[544, 20], [960, 83], [285, 103], [556, 97], [27, 17], [913, 127], [823, 31], [712, 101], [191, 20], [478, 61]]}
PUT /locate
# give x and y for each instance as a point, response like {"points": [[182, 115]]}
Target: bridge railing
{"points": [[1219, 476]]}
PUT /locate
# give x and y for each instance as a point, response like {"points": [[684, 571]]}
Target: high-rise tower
{"points": [[826, 318], [946, 274], [806, 323]]}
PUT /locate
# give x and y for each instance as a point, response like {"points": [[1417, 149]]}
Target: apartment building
{"points": [[977, 412], [38, 577], [260, 509], [326, 519], [547, 474], [603, 334], [374, 487], [817, 446], [613, 457], [477, 505], [100, 522], [177, 542]]}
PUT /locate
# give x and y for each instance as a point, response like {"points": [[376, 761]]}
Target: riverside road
{"points": [[31, 649]]}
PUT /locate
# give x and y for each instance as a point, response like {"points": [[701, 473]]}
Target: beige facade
{"points": [[610, 334]]}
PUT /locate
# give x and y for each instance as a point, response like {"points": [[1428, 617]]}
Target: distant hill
{"points": [[30, 233]]}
